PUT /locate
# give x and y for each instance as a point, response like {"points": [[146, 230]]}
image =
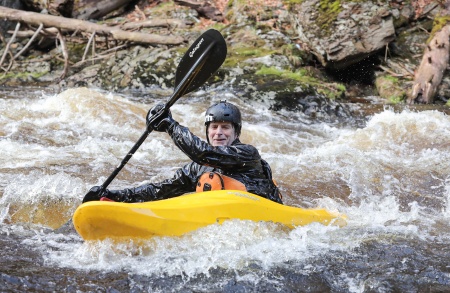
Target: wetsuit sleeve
{"points": [[183, 181], [239, 161], [237, 155]]}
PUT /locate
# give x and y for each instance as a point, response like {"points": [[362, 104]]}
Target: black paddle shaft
{"points": [[211, 50]]}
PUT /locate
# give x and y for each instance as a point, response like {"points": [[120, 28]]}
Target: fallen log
{"points": [[156, 23], [434, 62], [81, 25], [431, 70]]}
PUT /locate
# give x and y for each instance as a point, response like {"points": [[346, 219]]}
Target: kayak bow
{"points": [[176, 216]]}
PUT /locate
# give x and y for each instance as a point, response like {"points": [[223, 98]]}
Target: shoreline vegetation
{"points": [[365, 52]]}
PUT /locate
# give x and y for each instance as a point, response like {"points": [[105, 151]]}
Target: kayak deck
{"points": [[97, 220]]}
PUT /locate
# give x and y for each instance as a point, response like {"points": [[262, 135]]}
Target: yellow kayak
{"points": [[97, 220]]}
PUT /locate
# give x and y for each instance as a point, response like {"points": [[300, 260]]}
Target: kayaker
{"points": [[223, 162]]}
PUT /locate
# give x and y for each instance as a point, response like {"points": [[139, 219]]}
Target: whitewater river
{"points": [[390, 175]]}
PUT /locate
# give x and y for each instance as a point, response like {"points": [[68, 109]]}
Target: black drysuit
{"points": [[238, 161]]}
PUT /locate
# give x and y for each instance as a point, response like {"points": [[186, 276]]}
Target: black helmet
{"points": [[224, 112]]}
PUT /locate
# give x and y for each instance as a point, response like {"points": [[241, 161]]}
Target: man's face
{"points": [[221, 133]]}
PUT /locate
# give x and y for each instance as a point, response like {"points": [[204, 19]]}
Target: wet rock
{"points": [[341, 34], [289, 39], [316, 107], [33, 73], [390, 89], [277, 61], [129, 69]]}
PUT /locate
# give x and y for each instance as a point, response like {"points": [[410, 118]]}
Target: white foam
{"points": [[233, 245], [39, 187], [391, 169]]}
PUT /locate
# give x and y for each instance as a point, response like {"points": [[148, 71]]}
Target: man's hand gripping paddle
{"points": [[198, 64]]}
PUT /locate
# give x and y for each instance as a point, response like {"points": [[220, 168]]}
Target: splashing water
{"points": [[390, 177]]}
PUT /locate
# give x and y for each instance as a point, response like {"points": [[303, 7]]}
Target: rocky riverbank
{"points": [[310, 56]]}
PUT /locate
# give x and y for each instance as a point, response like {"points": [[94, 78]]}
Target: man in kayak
{"points": [[223, 162]]}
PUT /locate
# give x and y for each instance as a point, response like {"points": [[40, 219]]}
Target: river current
{"points": [[390, 175]]}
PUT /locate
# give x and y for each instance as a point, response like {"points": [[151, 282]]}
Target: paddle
{"points": [[198, 64]]}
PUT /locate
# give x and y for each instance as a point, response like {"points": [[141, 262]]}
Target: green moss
{"points": [[299, 75], [229, 14], [252, 52], [330, 90], [218, 26], [247, 44], [341, 87], [438, 23], [328, 12], [288, 2], [389, 87], [22, 75], [237, 55], [392, 79], [396, 99]]}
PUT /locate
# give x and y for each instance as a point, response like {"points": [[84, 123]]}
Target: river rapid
{"points": [[390, 175]]}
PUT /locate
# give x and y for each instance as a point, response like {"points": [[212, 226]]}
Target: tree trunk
{"points": [[69, 24], [434, 62], [168, 22]]}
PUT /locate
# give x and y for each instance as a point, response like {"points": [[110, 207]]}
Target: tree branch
{"points": [[70, 24], [9, 45]]}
